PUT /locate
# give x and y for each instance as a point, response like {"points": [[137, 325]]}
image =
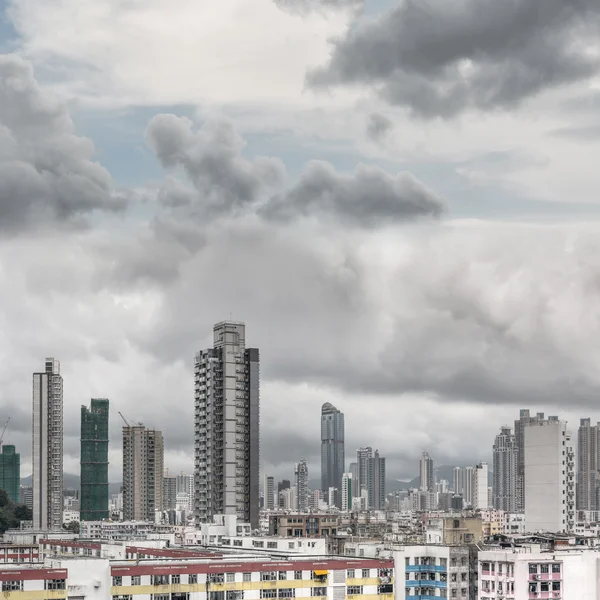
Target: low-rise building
{"points": [[453, 530], [303, 525]]}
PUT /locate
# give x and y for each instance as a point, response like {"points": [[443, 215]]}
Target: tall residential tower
{"points": [[426, 473], [94, 461], [301, 473], [588, 466], [332, 449], [47, 452], [376, 482], [143, 465], [505, 471], [10, 473], [226, 447]]}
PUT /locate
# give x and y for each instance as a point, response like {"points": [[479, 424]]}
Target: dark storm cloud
{"points": [[368, 197], [378, 126], [440, 58], [225, 182], [46, 171]]}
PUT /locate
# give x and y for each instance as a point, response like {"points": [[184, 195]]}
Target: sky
{"points": [[399, 198]]}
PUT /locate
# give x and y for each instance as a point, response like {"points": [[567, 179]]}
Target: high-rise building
{"points": [[143, 464], [524, 421], [332, 448], [426, 473], [353, 470], [347, 491], [588, 466], [94, 461], [505, 471], [362, 460], [47, 452], [479, 497], [169, 493], [458, 476], [10, 473], [376, 482], [185, 487], [549, 477], [269, 492], [302, 486], [27, 496], [227, 427], [468, 485]]}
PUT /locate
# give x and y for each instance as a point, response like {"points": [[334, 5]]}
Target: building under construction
{"points": [[94, 461], [10, 473]]}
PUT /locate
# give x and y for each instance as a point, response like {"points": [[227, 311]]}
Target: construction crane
{"points": [[4, 431], [129, 423]]}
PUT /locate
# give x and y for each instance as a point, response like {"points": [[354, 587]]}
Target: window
{"points": [[272, 545], [216, 578], [556, 568], [443, 562], [160, 596], [117, 597], [282, 575], [55, 584], [136, 580], [463, 576], [118, 580], [365, 573], [234, 595], [556, 586], [176, 579], [297, 574], [159, 580], [354, 589], [268, 576], [217, 596], [193, 578], [463, 560], [545, 568], [230, 577], [532, 568], [287, 593], [237, 542], [350, 573], [12, 586], [318, 591], [545, 586], [247, 577], [463, 592], [268, 593]]}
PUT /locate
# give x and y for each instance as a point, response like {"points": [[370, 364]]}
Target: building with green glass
{"points": [[94, 461], [10, 473]]}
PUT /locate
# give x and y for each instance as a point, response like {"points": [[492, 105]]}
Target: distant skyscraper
{"points": [[169, 494], [227, 427], [302, 486], [269, 492], [505, 471], [143, 463], [27, 496], [185, 485], [376, 482], [468, 485], [332, 448], [458, 478], [353, 470], [94, 461], [426, 473], [347, 492], [10, 473], [520, 425], [588, 466], [47, 454], [549, 477], [362, 461], [479, 498]]}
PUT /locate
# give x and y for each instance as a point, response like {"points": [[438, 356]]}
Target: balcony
{"points": [[425, 568]]}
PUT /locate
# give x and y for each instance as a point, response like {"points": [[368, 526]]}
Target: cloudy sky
{"points": [[399, 197]]}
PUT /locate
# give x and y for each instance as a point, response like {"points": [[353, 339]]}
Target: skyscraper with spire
{"points": [[332, 449]]}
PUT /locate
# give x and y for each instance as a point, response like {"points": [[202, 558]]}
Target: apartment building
{"points": [[303, 525]]}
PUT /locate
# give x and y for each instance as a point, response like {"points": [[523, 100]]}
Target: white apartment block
{"points": [[560, 575], [549, 477], [479, 497], [428, 572]]}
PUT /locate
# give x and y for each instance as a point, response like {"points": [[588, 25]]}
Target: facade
{"points": [[376, 482], [302, 525], [27, 496], [226, 448], [47, 452], [588, 465], [549, 477], [524, 421], [504, 489], [347, 491], [302, 486], [332, 448], [10, 473], [185, 487], [362, 463], [427, 478], [433, 572], [454, 530], [479, 499], [143, 464], [169, 494], [269, 492], [94, 461]]}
